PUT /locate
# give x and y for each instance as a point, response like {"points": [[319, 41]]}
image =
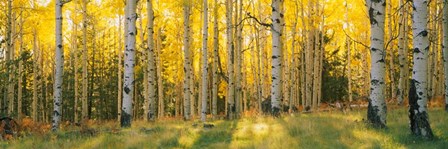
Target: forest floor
{"points": [[314, 130]]}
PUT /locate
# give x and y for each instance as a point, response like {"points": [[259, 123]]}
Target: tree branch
{"points": [[256, 19], [65, 1], [358, 42]]}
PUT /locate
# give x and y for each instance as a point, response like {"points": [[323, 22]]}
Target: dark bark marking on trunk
{"points": [[125, 119], [418, 120]]}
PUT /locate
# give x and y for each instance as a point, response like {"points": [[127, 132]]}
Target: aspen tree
{"points": [[376, 113], [215, 59], [151, 63], [231, 109], [129, 63], [59, 67], [84, 108], [445, 49], [187, 60], [418, 97], [204, 61], [402, 53], [277, 31]]}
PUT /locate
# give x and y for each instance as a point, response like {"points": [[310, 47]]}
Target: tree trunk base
{"points": [[418, 119], [373, 117], [125, 119]]}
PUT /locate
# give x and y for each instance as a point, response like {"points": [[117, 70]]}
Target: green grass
{"points": [[317, 130]]}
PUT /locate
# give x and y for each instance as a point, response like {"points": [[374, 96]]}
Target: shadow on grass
{"points": [[222, 133]]}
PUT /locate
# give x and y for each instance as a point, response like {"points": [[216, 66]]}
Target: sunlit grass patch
{"points": [[315, 130]]}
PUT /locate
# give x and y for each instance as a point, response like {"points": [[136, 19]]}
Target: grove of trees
{"points": [[79, 60]]}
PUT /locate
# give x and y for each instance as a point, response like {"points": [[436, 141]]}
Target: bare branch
{"points": [[358, 42]]}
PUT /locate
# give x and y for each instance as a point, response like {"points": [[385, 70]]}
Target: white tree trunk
{"points": [[84, 109], [238, 60], [349, 69], [277, 31], [187, 60], [10, 57], [129, 63], [376, 113], [161, 108], [59, 67], [445, 49], [204, 61], [231, 109], [151, 63], [20, 73], [215, 60], [393, 94], [75, 68], [418, 96], [36, 75], [402, 54]]}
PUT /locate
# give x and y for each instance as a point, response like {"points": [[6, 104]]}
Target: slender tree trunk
{"points": [[36, 77], [129, 63], [259, 70], [151, 63], [293, 77], [231, 109], [309, 57], [321, 57], [10, 57], [349, 69], [84, 111], [120, 67], [187, 60], [238, 46], [75, 68], [418, 99], [215, 60], [204, 61], [277, 31], [20, 73], [391, 54], [445, 49], [59, 67], [431, 58], [159, 75], [402, 54], [376, 113]]}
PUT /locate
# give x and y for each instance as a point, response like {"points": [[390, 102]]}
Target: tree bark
{"points": [[204, 61], [75, 68], [445, 49], [393, 93], [215, 60], [10, 57], [59, 67], [84, 109], [231, 109], [161, 108], [376, 113], [151, 63], [36, 77], [402, 54], [20, 73], [187, 60], [277, 31], [418, 97], [348, 44], [129, 63]]}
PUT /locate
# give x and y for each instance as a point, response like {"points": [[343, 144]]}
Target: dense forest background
{"points": [[325, 56]]}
